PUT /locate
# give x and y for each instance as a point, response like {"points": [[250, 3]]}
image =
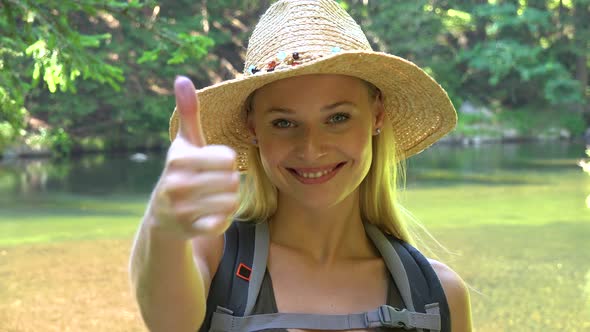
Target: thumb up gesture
{"points": [[198, 189]]}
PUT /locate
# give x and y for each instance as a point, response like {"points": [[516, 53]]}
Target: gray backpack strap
{"points": [[393, 262], [384, 316], [402, 266], [261, 244], [236, 284]]}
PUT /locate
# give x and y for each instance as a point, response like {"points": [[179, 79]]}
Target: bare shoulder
{"points": [[457, 296]]}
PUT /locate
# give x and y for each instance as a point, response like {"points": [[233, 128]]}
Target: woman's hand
{"points": [[198, 189]]}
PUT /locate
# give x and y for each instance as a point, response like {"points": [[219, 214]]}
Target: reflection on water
{"points": [[509, 164], [91, 175], [515, 157]]}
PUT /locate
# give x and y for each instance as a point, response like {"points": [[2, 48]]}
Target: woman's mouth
{"points": [[317, 174]]}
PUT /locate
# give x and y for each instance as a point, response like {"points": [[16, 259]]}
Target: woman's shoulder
{"points": [[457, 295], [448, 277]]}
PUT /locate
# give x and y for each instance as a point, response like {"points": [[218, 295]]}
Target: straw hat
{"points": [[300, 37]]}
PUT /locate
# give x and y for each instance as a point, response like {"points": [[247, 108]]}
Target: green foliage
{"points": [[573, 122], [102, 70], [506, 16], [61, 143], [563, 90], [419, 26], [7, 134], [501, 58], [548, 122], [517, 50], [51, 45], [456, 22]]}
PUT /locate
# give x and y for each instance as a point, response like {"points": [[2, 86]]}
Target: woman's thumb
{"points": [[187, 106]]}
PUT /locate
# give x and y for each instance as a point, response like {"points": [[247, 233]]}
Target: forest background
{"points": [[93, 75]]}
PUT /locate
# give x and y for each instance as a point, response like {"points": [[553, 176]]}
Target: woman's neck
{"points": [[323, 234]]}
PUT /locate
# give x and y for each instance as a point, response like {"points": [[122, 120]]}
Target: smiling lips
{"points": [[315, 175]]}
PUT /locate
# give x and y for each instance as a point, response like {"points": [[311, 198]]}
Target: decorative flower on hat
{"points": [[284, 59]]}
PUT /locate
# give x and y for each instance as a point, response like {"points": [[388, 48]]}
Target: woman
{"points": [[318, 123]]}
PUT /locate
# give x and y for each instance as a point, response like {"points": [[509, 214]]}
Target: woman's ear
{"points": [[378, 111], [250, 124], [250, 116]]}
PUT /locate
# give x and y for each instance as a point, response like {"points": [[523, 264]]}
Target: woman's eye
{"points": [[339, 117], [282, 123]]}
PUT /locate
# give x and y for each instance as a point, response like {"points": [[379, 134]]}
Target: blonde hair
{"points": [[378, 191]]}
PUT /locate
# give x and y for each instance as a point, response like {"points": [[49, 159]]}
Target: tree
{"points": [[54, 44], [102, 71]]}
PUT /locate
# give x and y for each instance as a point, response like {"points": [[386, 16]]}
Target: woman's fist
{"points": [[198, 190]]}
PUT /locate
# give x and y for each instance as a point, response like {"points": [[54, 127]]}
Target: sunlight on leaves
{"points": [[343, 4], [553, 4], [456, 20]]}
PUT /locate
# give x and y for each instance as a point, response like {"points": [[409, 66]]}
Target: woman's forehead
{"points": [[317, 86]]}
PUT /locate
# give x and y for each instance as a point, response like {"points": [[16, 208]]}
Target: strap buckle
{"points": [[394, 317]]}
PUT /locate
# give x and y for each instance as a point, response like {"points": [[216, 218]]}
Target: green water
{"points": [[104, 196], [499, 185], [513, 217], [86, 198]]}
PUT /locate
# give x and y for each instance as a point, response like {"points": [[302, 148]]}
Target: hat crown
{"points": [[315, 27]]}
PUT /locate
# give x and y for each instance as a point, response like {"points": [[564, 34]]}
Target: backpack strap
{"points": [[261, 245], [431, 283], [229, 286], [236, 284], [230, 301], [384, 316], [406, 263], [221, 284], [393, 262]]}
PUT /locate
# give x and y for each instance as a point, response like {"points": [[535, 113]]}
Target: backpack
{"points": [[234, 289]]}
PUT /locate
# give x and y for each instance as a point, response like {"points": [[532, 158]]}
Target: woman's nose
{"points": [[312, 145]]}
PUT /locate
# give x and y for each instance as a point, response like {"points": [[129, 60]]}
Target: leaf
{"points": [[36, 71], [35, 48], [177, 57], [149, 56], [93, 40]]}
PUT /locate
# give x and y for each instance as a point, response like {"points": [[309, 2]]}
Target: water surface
{"points": [[512, 216]]}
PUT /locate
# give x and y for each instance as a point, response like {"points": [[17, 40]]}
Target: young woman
{"points": [[318, 124]]}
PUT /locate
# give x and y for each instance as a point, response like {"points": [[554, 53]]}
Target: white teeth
{"points": [[314, 175]]}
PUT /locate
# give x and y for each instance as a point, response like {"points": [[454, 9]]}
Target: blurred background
{"points": [[86, 94]]}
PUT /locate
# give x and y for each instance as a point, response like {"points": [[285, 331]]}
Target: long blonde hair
{"points": [[378, 191]]}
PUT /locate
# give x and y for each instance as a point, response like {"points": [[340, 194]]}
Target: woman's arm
{"points": [[457, 296], [180, 241], [170, 286]]}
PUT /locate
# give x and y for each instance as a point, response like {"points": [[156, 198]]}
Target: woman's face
{"points": [[314, 136]]}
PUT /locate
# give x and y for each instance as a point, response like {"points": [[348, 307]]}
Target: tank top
{"points": [[266, 303]]}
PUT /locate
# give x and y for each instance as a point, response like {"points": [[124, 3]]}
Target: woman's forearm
{"points": [[166, 281]]}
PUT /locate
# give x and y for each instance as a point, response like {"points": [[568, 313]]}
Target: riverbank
{"points": [[469, 135], [476, 125]]}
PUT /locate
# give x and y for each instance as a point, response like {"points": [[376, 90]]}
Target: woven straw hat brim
{"points": [[418, 107]]}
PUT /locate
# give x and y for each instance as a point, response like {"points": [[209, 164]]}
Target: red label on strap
{"points": [[244, 272]]}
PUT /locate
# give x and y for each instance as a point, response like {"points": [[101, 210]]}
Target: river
{"points": [[510, 219]]}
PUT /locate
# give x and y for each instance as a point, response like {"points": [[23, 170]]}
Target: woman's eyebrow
{"points": [[324, 109], [335, 105]]}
